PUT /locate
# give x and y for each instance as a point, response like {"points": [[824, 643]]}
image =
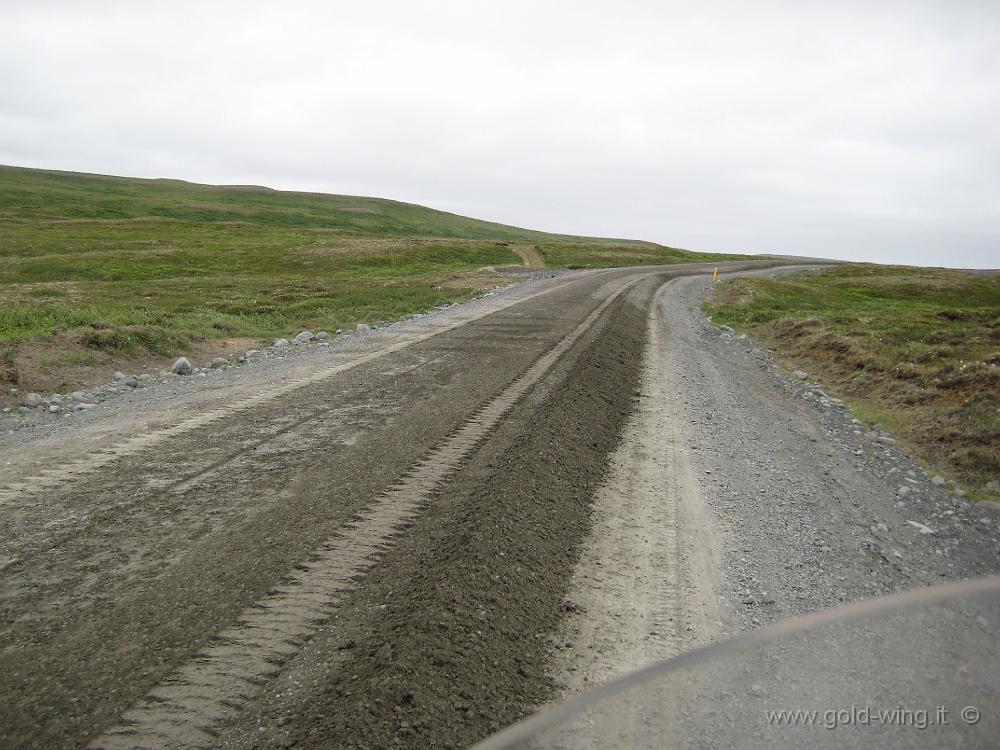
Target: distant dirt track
{"points": [[530, 255]]}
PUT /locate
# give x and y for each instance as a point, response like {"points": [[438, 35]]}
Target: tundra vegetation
{"points": [[99, 269], [916, 349]]}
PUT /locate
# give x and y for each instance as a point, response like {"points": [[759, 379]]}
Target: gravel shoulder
{"points": [[740, 496]]}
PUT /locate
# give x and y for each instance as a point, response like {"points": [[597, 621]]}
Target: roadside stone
{"points": [[923, 529], [279, 343], [305, 337], [181, 366], [384, 655], [938, 480], [727, 329], [362, 327], [321, 335], [801, 374], [77, 396], [219, 362], [32, 400], [54, 408], [118, 376], [885, 440], [131, 381], [83, 406]]}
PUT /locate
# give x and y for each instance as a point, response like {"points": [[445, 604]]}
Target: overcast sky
{"points": [[865, 130]]}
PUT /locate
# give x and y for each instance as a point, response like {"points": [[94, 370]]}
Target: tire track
{"points": [[184, 710], [645, 585]]}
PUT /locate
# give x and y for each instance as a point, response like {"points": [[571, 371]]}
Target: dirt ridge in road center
{"points": [[471, 596]]}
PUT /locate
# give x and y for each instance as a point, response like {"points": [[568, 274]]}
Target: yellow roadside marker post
{"points": [[715, 275]]}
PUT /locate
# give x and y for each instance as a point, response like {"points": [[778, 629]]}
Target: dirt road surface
{"points": [[416, 537]]}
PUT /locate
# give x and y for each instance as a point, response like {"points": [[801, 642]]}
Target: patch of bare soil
{"points": [[530, 255]]}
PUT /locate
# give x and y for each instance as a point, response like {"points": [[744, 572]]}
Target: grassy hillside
{"points": [[914, 348], [33, 196], [108, 266]]}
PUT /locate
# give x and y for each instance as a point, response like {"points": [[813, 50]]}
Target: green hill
{"points": [[40, 195], [120, 265]]}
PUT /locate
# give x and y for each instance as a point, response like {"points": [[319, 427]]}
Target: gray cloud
{"points": [[851, 130]]}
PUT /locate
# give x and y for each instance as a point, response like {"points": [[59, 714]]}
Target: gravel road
{"points": [[170, 554], [393, 540], [740, 496]]}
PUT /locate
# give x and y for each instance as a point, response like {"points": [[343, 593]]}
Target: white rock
{"points": [[305, 337], [278, 343], [921, 527], [53, 409], [118, 376], [320, 335], [364, 327], [938, 480], [181, 366]]}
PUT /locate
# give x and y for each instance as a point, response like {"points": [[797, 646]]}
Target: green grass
{"points": [[160, 264], [914, 348]]}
